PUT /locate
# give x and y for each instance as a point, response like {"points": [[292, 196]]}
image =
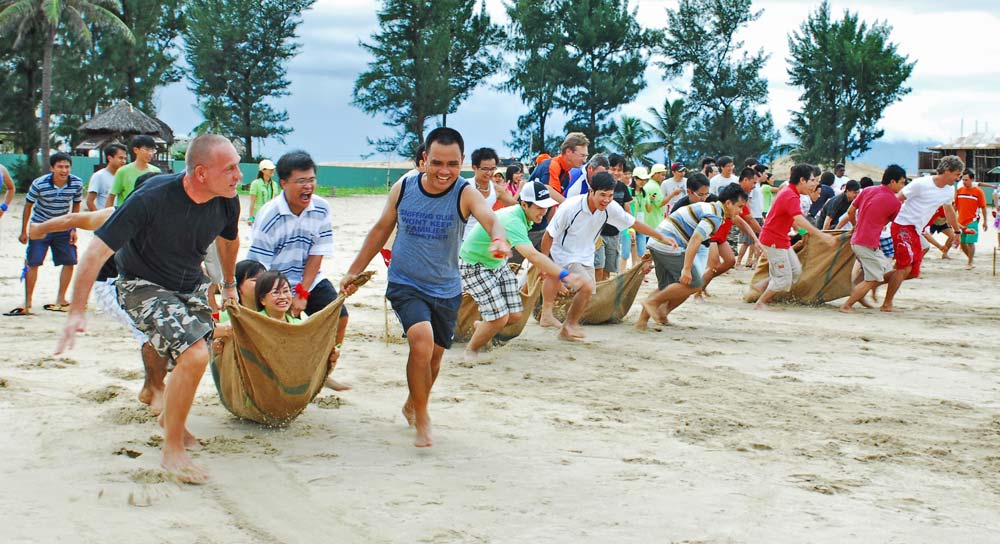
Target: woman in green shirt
{"points": [[263, 189]]}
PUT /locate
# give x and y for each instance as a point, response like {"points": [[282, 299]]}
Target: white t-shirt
{"points": [[669, 185], [718, 182], [574, 229], [101, 183], [838, 184], [923, 198], [491, 199], [756, 202]]}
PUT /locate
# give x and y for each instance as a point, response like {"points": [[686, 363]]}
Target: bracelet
{"points": [[301, 292], [250, 219], [229, 284], [563, 274], [3, 207]]}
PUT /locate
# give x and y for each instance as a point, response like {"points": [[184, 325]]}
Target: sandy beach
{"points": [[795, 425]]}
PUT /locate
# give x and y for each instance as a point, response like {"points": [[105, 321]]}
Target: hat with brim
{"points": [[537, 193], [640, 172], [265, 165]]}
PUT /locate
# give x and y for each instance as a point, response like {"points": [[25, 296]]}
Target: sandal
{"points": [[16, 312], [56, 307]]}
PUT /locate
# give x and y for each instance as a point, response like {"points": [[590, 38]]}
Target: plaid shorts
{"points": [[494, 290], [887, 248], [173, 321]]}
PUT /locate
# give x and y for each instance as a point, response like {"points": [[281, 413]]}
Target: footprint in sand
{"points": [[103, 394], [48, 362]]}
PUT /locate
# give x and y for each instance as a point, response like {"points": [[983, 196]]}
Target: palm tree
{"points": [[668, 127], [49, 17], [629, 139]]}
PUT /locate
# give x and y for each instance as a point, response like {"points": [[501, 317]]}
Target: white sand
{"points": [[796, 425]]}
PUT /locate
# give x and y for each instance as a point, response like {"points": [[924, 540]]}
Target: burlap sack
{"points": [[826, 271], [468, 314], [610, 303]]}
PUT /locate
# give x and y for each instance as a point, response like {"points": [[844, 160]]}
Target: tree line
{"points": [[588, 58], [65, 60]]}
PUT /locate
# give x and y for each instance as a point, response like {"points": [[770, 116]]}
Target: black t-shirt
{"points": [[161, 235], [825, 194], [622, 196], [834, 209]]}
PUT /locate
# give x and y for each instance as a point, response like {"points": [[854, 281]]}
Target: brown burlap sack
{"points": [[468, 314], [270, 370], [826, 271], [610, 304]]}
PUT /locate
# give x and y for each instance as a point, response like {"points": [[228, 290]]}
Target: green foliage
{"points": [[21, 92], [725, 90], [607, 58], [668, 127], [24, 172], [427, 58], [629, 139], [237, 50], [849, 73]]}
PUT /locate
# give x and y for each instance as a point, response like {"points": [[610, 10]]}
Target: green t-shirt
{"points": [[476, 248], [653, 212], [768, 191], [125, 180], [263, 192]]}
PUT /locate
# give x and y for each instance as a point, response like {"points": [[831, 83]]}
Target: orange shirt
{"points": [[968, 201], [557, 169]]}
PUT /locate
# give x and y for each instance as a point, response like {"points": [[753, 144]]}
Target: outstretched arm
{"points": [[475, 205], [82, 220], [93, 258], [374, 242]]}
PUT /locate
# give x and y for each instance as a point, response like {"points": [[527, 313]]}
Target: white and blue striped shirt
{"points": [[283, 241], [49, 200], [705, 218]]}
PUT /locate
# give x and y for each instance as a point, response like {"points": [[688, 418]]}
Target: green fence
{"points": [[329, 176]]}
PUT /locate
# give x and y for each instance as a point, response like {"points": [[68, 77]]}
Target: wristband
{"points": [[229, 284], [301, 292], [563, 274], [3, 207], [250, 219]]}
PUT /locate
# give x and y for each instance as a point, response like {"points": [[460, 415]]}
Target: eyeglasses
{"points": [[485, 169], [286, 292], [581, 155], [702, 195], [304, 181]]}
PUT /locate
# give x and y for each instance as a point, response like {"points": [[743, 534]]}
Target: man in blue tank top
{"points": [[429, 211]]}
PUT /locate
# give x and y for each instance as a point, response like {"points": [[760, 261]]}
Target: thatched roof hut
{"points": [[120, 123]]}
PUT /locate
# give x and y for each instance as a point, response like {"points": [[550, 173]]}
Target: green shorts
{"points": [[974, 237]]}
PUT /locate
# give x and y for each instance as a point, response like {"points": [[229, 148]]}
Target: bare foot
{"points": [[653, 311], [944, 256], [866, 304], [180, 466], [970, 266], [891, 309], [335, 385], [424, 433], [153, 397], [761, 307], [565, 334], [409, 414], [848, 309], [641, 325], [549, 322], [190, 441]]}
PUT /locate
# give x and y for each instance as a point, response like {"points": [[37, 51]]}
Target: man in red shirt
{"points": [[870, 212], [783, 267], [970, 201]]}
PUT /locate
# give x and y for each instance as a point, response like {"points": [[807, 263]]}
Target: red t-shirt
{"points": [[939, 214], [875, 207], [722, 234], [779, 220], [968, 202]]}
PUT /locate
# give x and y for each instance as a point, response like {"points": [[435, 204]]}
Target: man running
{"points": [[424, 283], [970, 203], [161, 285]]}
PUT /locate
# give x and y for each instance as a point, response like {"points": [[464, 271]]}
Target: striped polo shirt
{"points": [[283, 241], [702, 217], [50, 200]]}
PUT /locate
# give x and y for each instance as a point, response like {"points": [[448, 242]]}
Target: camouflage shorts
{"points": [[173, 321]]}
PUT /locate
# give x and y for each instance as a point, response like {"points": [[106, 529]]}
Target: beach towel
{"points": [[270, 370], [610, 303], [826, 271]]}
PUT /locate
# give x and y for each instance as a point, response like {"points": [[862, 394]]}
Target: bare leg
{"points": [[947, 243], [857, 295], [600, 274], [180, 392], [550, 290], [421, 370], [484, 333], [29, 286], [970, 253], [156, 373], [571, 329], [897, 278], [65, 276], [676, 294]]}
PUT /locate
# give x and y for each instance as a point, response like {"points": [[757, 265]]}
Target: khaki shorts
{"points": [[783, 267], [874, 263], [583, 270]]}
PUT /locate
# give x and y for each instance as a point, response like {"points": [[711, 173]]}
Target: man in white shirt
{"points": [[674, 186], [921, 198], [724, 177], [99, 186], [569, 241], [839, 179]]}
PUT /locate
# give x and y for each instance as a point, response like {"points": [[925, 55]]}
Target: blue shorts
{"points": [[887, 248], [63, 252], [412, 306]]}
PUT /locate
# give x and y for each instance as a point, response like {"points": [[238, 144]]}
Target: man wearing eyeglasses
{"points": [[292, 234]]}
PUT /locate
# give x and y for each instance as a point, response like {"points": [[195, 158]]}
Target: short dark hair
{"points": [[603, 181], [827, 179], [293, 160], [748, 173], [511, 170], [484, 154], [866, 182], [444, 136], [892, 173], [706, 161], [838, 165], [112, 149], [615, 159], [724, 161], [800, 172], [817, 171], [733, 192], [697, 181], [265, 283], [418, 155], [852, 185], [751, 162], [143, 140], [247, 269], [969, 172], [59, 157], [760, 168], [140, 180]]}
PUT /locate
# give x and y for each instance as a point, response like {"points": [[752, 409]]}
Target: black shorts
{"points": [[413, 306], [939, 228], [322, 296]]}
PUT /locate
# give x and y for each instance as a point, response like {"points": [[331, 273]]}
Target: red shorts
{"points": [[906, 243]]}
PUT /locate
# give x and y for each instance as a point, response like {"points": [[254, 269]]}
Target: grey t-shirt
{"points": [[101, 183]]}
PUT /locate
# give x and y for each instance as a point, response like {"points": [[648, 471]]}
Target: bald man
{"points": [[161, 286]]}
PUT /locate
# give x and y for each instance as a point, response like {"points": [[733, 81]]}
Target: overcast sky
{"points": [[956, 78]]}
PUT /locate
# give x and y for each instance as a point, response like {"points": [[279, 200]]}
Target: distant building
{"points": [[120, 123], [980, 151]]}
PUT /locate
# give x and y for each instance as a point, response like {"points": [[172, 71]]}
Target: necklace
{"points": [[484, 190]]}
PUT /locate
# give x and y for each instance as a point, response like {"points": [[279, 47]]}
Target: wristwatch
{"points": [[229, 284]]}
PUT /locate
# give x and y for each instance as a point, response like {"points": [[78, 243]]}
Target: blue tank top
{"points": [[428, 238]]}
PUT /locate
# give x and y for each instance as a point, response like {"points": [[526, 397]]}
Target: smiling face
{"points": [[533, 212], [485, 171], [600, 200], [277, 300], [144, 154], [116, 161], [299, 189], [60, 172], [733, 207], [442, 164]]}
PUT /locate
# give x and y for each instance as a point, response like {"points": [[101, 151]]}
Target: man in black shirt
{"points": [[836, 207], [161, 234]]}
